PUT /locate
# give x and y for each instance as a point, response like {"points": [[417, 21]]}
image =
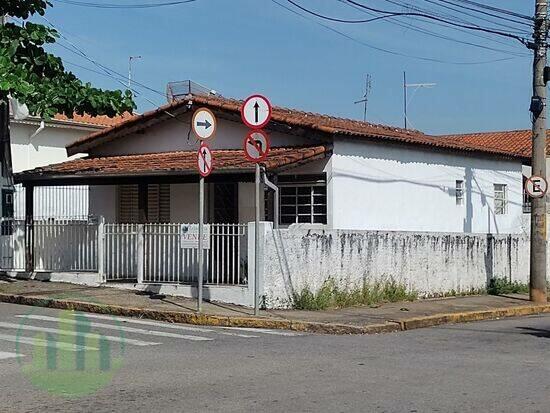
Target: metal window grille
{"points": [[459, 192], [7, 203], [501, 199], [303, 202]]}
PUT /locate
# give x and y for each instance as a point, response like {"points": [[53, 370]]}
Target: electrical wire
{"points": [[497, 9], [432, 17], [423, 30], [124, 6], [337, 20], [387, 51]]}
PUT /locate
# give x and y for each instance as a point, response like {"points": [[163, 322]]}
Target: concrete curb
{"points": [[200, 319], [469, 316], [269, 323]]}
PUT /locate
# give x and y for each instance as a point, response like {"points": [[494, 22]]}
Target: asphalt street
{"points": [[54, 360]]}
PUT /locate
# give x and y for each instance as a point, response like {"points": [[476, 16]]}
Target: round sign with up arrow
{"points": [[204, 160], [256, 111], [204, 123]]}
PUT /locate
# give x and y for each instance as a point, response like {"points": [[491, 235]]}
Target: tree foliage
{"points": [[37, 78]]}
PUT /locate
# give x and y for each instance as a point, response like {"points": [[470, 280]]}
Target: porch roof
{"points": [[180, 163]]}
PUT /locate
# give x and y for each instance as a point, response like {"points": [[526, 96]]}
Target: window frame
{"points": [[503, 189], [459, 192], [315, 199]]}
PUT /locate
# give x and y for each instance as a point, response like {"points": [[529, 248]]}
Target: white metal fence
{"points": [[148, 253], [152, 253], [59, 202]]}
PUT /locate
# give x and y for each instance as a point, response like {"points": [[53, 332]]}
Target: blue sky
{"points": [[238, 47]]}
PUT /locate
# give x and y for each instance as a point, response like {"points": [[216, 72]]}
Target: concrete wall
{"points": [[48, 147], [401, 188], [429, 263]]}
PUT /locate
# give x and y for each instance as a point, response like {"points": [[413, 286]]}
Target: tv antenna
{"points": [[415, 86], [365, 100]]}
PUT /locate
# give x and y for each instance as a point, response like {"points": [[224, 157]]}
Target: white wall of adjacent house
{"points": [[34, 146], [407, 188]]}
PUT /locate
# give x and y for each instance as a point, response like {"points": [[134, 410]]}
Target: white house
{"points": [[36, 143], [357, 202], [336, 172]]}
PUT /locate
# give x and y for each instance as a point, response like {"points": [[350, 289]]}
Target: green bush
{"points": [[330, 295], [498, 286]]}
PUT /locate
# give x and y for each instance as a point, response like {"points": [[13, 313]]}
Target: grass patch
{"points": [[498, 286], [330, 295]]}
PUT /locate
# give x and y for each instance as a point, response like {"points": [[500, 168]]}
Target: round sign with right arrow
{"points": [[204, 123]]}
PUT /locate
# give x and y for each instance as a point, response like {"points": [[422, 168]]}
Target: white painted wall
{"points": [[391, 187], [428, 263], [171, 135], [104, 202], [48, 147]]}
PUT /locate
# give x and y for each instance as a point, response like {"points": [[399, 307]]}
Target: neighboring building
{"points": [[340, 173], [36, 143]]}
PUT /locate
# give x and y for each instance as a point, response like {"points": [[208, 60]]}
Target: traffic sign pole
{"points": [[201, 230], [257, 244]]}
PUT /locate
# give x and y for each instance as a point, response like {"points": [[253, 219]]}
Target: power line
{"points": [[497, 9], [432, 17], [337, 20], [428, 32], [124, 6], [387, 51]]}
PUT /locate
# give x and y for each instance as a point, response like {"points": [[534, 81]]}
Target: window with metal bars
{"points": [[501, 199], [303, 200], [459, 192]]}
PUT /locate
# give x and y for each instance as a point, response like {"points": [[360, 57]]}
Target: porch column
{"points": [[143, 203], [29, 228]]}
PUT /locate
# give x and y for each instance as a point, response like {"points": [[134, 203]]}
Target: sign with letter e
{"points": [[189, 236], [536, 186]]}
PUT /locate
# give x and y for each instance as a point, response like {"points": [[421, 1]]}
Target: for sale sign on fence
{"points": [[189, 236]]}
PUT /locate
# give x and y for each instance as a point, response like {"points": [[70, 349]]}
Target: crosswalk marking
{"points": [[44, 343], [5, 355], [77, 334], [167, 325], [113, 327]]}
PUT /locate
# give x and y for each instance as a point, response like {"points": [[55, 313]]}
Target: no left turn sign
{"points": [[536, 186], [256, 111], [204, 160], [256, 146], [204, 123]]}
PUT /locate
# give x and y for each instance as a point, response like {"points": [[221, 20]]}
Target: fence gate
{"points": [[152, 253]]}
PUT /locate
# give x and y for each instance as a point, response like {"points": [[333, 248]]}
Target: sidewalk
{"points": [[356, 320]]}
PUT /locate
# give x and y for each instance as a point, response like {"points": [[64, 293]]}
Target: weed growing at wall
{"points": [[499, 286], [330, 295]]}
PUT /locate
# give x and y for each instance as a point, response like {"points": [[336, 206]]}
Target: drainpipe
{"points": [[40, 129], [275, 189]]}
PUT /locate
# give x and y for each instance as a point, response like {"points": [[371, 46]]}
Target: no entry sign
{"points": [[204, 160], [256, 111], [256, 146], [204, 123]]}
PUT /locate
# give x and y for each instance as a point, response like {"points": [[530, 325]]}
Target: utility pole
{"points": [[5, 143], [537, 284], [365, 100]]}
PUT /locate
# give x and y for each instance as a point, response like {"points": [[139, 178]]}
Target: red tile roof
{"points": [[181, 163], [94, 120], [515, 141], [298, 120]]}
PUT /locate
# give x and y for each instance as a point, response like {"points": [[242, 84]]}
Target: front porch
{"points": [[138, 204]]}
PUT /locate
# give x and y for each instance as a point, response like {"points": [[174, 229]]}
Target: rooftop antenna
{"points": [[130, 59], [365, 100], [415, 86]]}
